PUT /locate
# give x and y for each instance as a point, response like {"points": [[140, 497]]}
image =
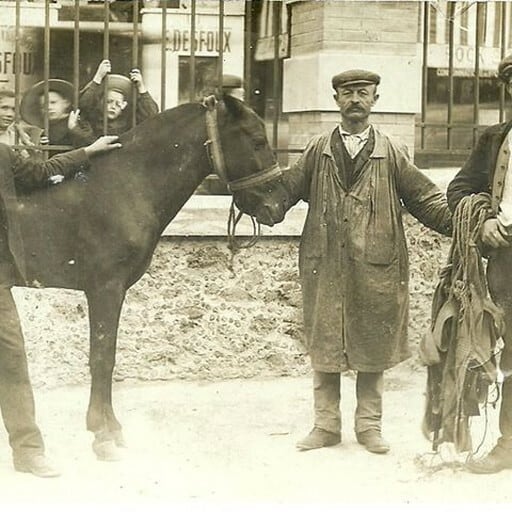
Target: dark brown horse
{"points": [[99, 236]]}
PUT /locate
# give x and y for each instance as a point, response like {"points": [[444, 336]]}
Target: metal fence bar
{"points": [[163, 57], [248, 49], [17, 86], [424, 72], [76, 55], [220, 62], [503, 45], [476, 78], [106, 50], [449, 119], [46, 69], [276, 25], [135, 57], [192, 61]]}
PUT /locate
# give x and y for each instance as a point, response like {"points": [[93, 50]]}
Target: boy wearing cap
{"points": [[488, 169], [353, 258], [119, 95]]}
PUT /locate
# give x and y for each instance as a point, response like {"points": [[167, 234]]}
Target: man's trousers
{"points": [[16, 397], [368, 414]]}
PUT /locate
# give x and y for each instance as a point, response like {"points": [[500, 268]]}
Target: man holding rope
{"points": [[488, 169]]}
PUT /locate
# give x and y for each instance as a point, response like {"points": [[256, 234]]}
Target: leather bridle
{"points": [[216, 157]]}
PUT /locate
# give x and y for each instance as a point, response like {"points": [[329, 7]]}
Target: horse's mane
{"points": [[174, 117], [179, 119]]}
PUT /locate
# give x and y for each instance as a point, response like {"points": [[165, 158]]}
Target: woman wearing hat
{"points": [[119, 93], [65, 128]]}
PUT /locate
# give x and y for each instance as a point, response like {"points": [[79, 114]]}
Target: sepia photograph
{"points": [[253, 253]]}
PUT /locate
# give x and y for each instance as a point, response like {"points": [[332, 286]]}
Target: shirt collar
{"points": [[361, 135]]}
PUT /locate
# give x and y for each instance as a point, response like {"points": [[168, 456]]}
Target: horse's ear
{"points": [[210, 102]]}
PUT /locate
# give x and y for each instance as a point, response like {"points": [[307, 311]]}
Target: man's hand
{"points": [[136, 78], [493, 234], [104, 68], [103, 144], [73, 118]]}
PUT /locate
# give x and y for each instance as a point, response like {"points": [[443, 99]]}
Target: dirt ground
{"points": [[213, 390], [233, 443]]}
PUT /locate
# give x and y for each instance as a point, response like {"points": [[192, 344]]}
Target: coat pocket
{"points": [[380, 246]]}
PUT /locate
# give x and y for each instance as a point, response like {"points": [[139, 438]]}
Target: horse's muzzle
{"points": [[269, 215]]}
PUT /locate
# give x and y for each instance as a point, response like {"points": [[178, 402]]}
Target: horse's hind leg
{"points": [[104, 311]]}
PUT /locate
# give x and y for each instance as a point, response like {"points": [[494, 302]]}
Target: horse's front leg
{"points": [[104, 312]]}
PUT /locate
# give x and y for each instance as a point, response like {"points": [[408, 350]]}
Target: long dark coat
{"points": [[477, 174], [353, 254]]}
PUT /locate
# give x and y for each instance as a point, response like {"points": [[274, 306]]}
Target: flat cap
{"points": [[505, 68], [231, 81], [120, 83], [355, 76]]}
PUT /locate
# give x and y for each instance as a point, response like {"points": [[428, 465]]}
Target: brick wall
{"points": [[342, 34], [362, 27]]}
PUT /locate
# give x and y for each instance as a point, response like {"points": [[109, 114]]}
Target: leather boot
{"points": [[319, 438], [498, 459], [38, 465]]}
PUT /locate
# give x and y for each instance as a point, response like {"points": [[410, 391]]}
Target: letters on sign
{"points": [[205, 41]]}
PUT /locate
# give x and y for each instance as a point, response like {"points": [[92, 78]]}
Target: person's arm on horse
{"points": [[30, 173], [146, 105]]}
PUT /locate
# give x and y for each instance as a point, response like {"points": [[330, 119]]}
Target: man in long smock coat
{"points": [[353, 258]]}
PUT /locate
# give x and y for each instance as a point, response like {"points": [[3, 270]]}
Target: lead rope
{"points": [[233, 244], [468, 221], [214, 151]]}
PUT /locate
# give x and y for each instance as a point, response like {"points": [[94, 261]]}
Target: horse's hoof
{"points": [[119, 439], [107, 451]]}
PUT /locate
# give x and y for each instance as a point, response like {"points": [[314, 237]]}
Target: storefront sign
{"points": [[24, 62], [206, 41], [463, 57]]}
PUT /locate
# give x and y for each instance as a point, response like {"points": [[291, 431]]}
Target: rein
{"points": [[216, 157]]}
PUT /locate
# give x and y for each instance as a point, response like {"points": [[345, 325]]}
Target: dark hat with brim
{"points": [[120, 83], [505, 68], [355, 76], [231, 82], [30, 107]]}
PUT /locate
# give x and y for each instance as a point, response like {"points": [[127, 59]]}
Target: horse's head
{"points": [[242, 156]]}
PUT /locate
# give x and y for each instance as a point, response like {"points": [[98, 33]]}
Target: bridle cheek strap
{"points": [[213, 146]]}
